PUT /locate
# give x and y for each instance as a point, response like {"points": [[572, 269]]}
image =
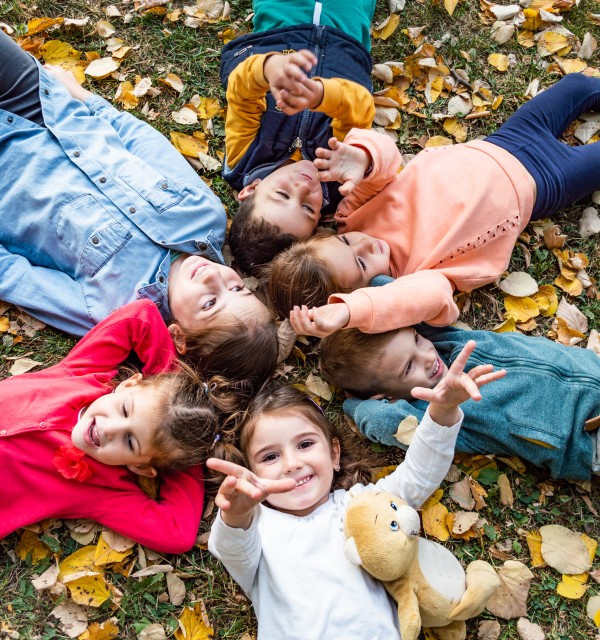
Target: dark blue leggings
{"points": [[19, 81], [563, 174]]}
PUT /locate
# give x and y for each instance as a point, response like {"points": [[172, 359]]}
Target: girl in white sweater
{"points": [[287, 554]]}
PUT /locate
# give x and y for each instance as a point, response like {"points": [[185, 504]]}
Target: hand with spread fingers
{"points": [[242, 491], [342, 163], [289, 83], [456, 387], [319, 321]]}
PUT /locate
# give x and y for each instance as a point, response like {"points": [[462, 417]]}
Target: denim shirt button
{"points": [[131, 209], [203, 246], [102, 179], [77, 154], [9, 119], [46, 92], [164, 185], [95, 240], [161, 278]]}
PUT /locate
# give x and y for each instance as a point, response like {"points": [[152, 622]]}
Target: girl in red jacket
{"points": [[72, 443]]}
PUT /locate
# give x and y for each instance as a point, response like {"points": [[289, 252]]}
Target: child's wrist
{"points": [[445, 415]]}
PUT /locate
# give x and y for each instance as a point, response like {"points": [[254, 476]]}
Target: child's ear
{"points": [[248, 190], [143, 470], [178, 338], [335, 453], [130, 382]]}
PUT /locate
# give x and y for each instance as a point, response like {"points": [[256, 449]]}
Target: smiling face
{"points": [[409, 360], [201, 290], [355, 258], [118, 428], [288, 445], [290, 198]]}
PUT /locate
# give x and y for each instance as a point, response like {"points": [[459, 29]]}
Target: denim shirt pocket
{"points": [[162, 193], [90, 232]]}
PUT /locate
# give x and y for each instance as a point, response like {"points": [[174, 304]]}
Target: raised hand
{"points": [[456, 387], [242, 490], [292, 89], [342, 163], [319, 321]]}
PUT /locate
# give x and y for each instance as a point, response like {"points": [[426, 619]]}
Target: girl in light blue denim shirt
{"points": [[99, 209]]}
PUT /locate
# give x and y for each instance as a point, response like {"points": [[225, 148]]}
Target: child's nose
{"points": [[291, 462]]}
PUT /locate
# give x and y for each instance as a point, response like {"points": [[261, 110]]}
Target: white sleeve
{"points": [[238, 549], [427, 462]]}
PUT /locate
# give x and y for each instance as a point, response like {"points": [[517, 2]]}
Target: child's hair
{"points": [[244, 351], [191, 412], [253, 241], [349, 360], [354, 464], [299, 275]]}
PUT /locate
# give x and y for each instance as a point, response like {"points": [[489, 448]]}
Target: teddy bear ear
{"points": [[351, 552]]}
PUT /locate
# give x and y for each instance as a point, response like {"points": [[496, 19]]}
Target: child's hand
{"points": [[67, 79], [241, 491], [342, 163], [292, 89], [319, 321], [456, 387]]}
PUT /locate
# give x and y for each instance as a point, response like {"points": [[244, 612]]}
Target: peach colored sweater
{"points": [[451, 218]]}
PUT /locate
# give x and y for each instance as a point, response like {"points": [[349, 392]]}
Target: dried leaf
{"points": [[588, 46], [534, 544], [519, 284], [104, 29], [434, 521], [589, 224], [194, 624], [185, 116], [460, 492], [173, 81], [191, 146], [101, 68], [30, 545], [488, 630], [506, 493], [72, 617], [104, 554], [456, 129], [498, 61], [546, 300], [564, 550], [510, 600], [450, 6], [152, 632], [117, 542], [572, 315], [437, 141], [89, 590], [521, 309], [47, 579], [176, 589], [318, 387], [553, 237], [508, 325], [383, 72], [38, 25], [386, 28], [572, 587], [464, 521], [406, 430], [593, 607], [287, 338], [108, 630], [460, 105], [22, 365], [529, 630], [152, 570]]}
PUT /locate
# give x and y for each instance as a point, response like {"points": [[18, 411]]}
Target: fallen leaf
{"points": [[185, 116], [510, 600], [104, 554], [117, 542], [101, 68], [564, 550], [588, 46], [89, 590], [104, 28], [464, 521], [504, 327], [553, 238], [519, 284], [450, 6], [529, 630], [572, 587], [546, 300], [194, 624], [534, 544], [173, 81], [456, 129], [108, 630], [592, 609], [502, 31], [434, 521], [498, 61], [460, 492], [152, 632], [573, 316], [22, 365], [386, 28], [191, 146], [30, 545], [38, 25], [47, 579], [520, 309], [506, 494], [488, 630], [72, 618], [589, 224], [287, 338], [318, 387], [406, 430], [176, 589]]}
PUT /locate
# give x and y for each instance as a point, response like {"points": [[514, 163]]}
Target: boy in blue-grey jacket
{"points": [[302, 76], [539, 411]]}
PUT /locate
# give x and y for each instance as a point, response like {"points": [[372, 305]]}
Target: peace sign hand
{"points": [[242, 491]]}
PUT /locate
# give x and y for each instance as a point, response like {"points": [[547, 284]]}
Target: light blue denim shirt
{"points": [[90, 207]]}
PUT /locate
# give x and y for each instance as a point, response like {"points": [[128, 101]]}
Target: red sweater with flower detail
{"points": [[40, 409]]}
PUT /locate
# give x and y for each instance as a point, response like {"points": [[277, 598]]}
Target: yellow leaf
{"points": [[450, 5], [553, 42], [125, 96], [525, 38], [386, 28], [383, 472], [504, 327], [438, 141], [89, 590], [572, 287], [456, 129], [591, 545], [434, 89], [534, 543], [227, 35], [434, 521], [532, 22], [567, 335], [497, 102], [188, 145], [81, 560], [55, 50], [173, 81], [108, 630], [499, 61], [37, 25], [29, 543], [597, 618], [208, 108], [520, 309], [576, 65], [434, 498], [572, 587], [546, 300], [194, 624], [104, 554], [4, 324]]}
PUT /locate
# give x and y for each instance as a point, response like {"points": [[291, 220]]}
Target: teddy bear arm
{"points": [[409, 617], [481, 581]]}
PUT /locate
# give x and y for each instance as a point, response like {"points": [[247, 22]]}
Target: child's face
{"points": [[200, 290], [118, 428], [355, 258], [409, 360], [290, 198], [288, 445]]}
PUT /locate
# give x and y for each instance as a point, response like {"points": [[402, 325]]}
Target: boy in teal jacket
{"points": [[538, 411]]}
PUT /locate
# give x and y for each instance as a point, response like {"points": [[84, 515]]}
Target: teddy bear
{"points": [[427, 582]]}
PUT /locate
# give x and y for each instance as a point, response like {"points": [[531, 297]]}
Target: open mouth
{"points": [[93, 436], [437, 369], [301, 483]]}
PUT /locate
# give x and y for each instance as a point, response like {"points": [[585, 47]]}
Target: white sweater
{"points": [[294, 570]]}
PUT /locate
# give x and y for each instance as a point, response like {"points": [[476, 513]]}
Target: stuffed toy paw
{"points": [[424, 578]]}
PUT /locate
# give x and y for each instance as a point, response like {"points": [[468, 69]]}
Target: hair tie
{"points": [[316, 405], [217, 438], [205, 388]]}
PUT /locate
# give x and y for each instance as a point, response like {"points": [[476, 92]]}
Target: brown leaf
{"points": [[510, 600], [506, 494], [72, 617], [488, 630], [176, 589], [553, 237], [529, 630], [460, 492]]}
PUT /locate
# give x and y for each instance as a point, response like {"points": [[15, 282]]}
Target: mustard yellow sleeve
{"points": [[246, 103], [348, 103]]}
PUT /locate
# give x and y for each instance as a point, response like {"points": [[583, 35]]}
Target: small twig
{"points": [[467, 84]]}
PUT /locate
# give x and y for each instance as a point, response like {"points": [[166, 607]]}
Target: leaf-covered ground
{"points": [[459, 70]]}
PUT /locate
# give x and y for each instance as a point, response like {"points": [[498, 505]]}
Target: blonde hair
{"points": [[299, 275]]}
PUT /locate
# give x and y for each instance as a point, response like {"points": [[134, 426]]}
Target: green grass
{"points": [[194, 56]]}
